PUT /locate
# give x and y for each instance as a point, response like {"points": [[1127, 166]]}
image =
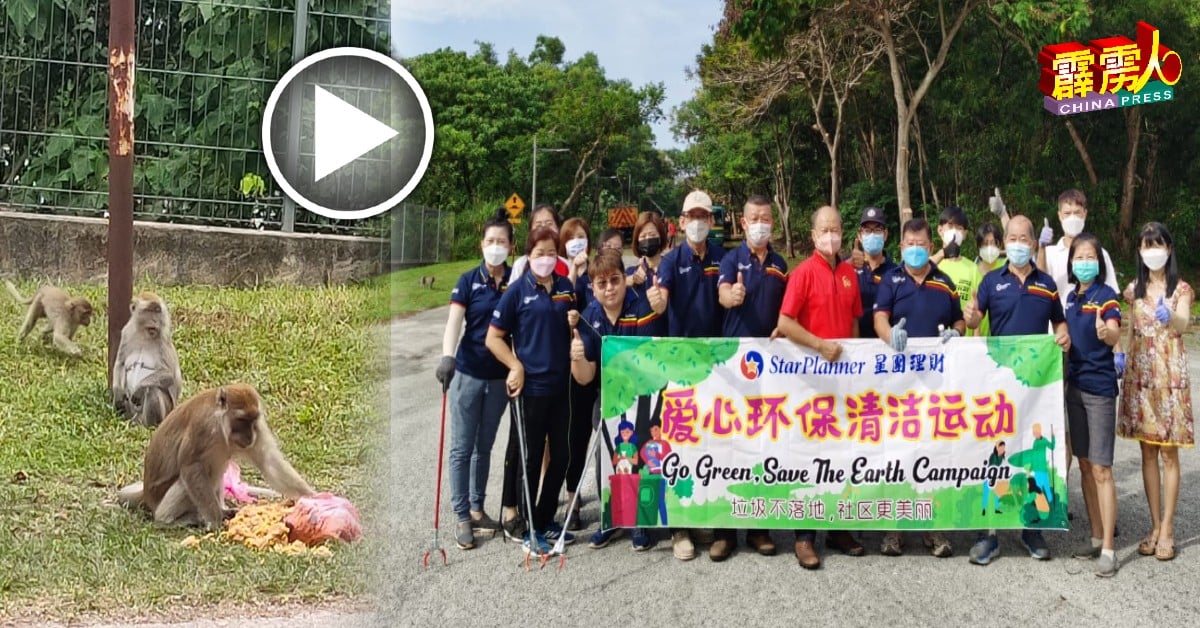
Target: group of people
{"points": [[530, 334]]}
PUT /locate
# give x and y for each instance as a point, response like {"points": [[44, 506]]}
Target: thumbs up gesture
{"points": [[1162, 312], [899, 335], [576, 346], [658, 300], [572, 318], [971, 312], [737, 294], [1102, 330], [1047, 235], [996, 204]]}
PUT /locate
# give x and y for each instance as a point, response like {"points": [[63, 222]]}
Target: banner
{"points": [[756, 433]]}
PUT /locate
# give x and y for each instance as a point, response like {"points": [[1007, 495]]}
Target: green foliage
{"points": [[313, 354], [592, 129], [204, 72]]}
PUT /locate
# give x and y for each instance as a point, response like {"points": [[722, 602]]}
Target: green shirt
{"points": [[965, 275]]}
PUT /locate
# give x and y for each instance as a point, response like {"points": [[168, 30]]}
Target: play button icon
{"points": [[347, 133]]}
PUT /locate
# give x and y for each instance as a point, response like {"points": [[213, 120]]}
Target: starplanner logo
{"points": [[754, 366], [1108, 73]]}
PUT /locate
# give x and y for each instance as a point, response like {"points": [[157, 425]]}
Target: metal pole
{"points": [[299, 44], [121, 65], [533, 196]]}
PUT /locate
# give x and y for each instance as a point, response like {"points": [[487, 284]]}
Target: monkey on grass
{"points": [[64, 315]]}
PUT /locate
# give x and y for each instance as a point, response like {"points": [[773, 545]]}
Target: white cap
{"points": [[697, 199]]}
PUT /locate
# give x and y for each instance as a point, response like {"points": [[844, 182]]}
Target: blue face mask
{"points": [[872, 243], [915, 256], [1018, 254], [1086, 270]]}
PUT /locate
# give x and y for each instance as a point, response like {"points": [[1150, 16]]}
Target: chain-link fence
{"points": [[421, 235], [205, 69]]}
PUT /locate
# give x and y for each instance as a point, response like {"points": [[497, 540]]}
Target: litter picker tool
{"points": [[516, 407], [560, 546], [434, 546]]}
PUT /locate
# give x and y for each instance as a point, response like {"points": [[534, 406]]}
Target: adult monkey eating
{"points": [[63, 314], [189, 453], [146, 378]]}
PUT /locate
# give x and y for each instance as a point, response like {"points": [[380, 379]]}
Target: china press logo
{"points": [[752, 365], [1108, 73]]}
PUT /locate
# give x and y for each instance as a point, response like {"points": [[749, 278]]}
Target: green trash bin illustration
{"points": [[649, 498]]}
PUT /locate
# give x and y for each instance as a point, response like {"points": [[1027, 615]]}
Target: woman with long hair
{"points": [[1156, 405]]}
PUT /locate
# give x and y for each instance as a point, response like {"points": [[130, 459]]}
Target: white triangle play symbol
{"points": [[342, 133]]}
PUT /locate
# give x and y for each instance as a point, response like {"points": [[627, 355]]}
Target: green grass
{"points": [[409, 296], [317, 359]]}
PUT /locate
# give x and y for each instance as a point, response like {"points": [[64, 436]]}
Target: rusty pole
{"points": [[120, 171]]}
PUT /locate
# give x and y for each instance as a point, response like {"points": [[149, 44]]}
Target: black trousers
{"points": [[545, 416], [579, 432]]}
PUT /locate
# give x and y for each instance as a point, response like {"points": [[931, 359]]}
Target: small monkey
{"points": [[146, 378], [188, 454], [63, 314]]}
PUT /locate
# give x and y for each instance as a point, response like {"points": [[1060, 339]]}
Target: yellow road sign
{"points": [[515, 205]]}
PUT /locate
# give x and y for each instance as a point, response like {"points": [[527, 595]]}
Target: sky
{"points": [[645, 41]]}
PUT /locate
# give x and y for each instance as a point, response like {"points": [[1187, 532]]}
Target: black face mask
{"points": [[649, 247], [951, 250]]}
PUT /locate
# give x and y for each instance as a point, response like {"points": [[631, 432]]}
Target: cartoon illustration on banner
{"points": [[754, 433]]}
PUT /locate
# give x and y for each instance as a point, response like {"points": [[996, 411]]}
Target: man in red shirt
{"points": [[821, 304]]}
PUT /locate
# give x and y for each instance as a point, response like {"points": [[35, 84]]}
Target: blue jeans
{"points": [[476, 406]]}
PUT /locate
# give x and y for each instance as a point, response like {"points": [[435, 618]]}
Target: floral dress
{"points": [[1156, 399]]}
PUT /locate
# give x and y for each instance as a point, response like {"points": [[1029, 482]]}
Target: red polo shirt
{"points": [[824, 300]]}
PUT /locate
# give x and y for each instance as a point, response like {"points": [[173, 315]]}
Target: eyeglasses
{"points": [[604, 283]]}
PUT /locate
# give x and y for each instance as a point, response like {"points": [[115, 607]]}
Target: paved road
{"points": [[487, 585]]}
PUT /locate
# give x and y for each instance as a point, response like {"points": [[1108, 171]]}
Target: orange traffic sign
{"points": [[514, 204]]}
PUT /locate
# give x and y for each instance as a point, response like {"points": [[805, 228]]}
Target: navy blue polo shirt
{"points": [[693, 310], [868, 287], [926, 305], [478, 293], [1090, 361], [541, 338], [765, 284], [635, 317], [658, 326], [1016, 309]]}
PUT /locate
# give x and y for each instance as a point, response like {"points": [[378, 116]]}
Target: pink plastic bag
{"points": [[318, 518], [235, 488]]}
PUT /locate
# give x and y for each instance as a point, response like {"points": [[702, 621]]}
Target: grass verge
{"points": [[317, 359], [408, 296]]}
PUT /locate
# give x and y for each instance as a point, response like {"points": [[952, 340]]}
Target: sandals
{"points": [[1148, 546], [1165, 550]]}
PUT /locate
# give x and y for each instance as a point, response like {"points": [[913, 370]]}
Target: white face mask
{"points": [[1155, 259], [989, 253], [758, 233], [697, 230], [1072, 225], [575, 246], [829, 243], [542, 266], [495, 254], [952, 236]]}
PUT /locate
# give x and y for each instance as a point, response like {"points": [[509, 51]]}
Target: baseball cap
{"points": [[697, 199], [872, 214]]}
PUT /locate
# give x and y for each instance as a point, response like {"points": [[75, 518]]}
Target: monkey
{"points": [[63, 314], [188, 454], [146, 379]]}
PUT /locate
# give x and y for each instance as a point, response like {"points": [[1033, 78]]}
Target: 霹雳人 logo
{"points": [[1108, 73]]}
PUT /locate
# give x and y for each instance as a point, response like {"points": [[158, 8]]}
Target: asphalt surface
{"points": [[616, 586]]}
